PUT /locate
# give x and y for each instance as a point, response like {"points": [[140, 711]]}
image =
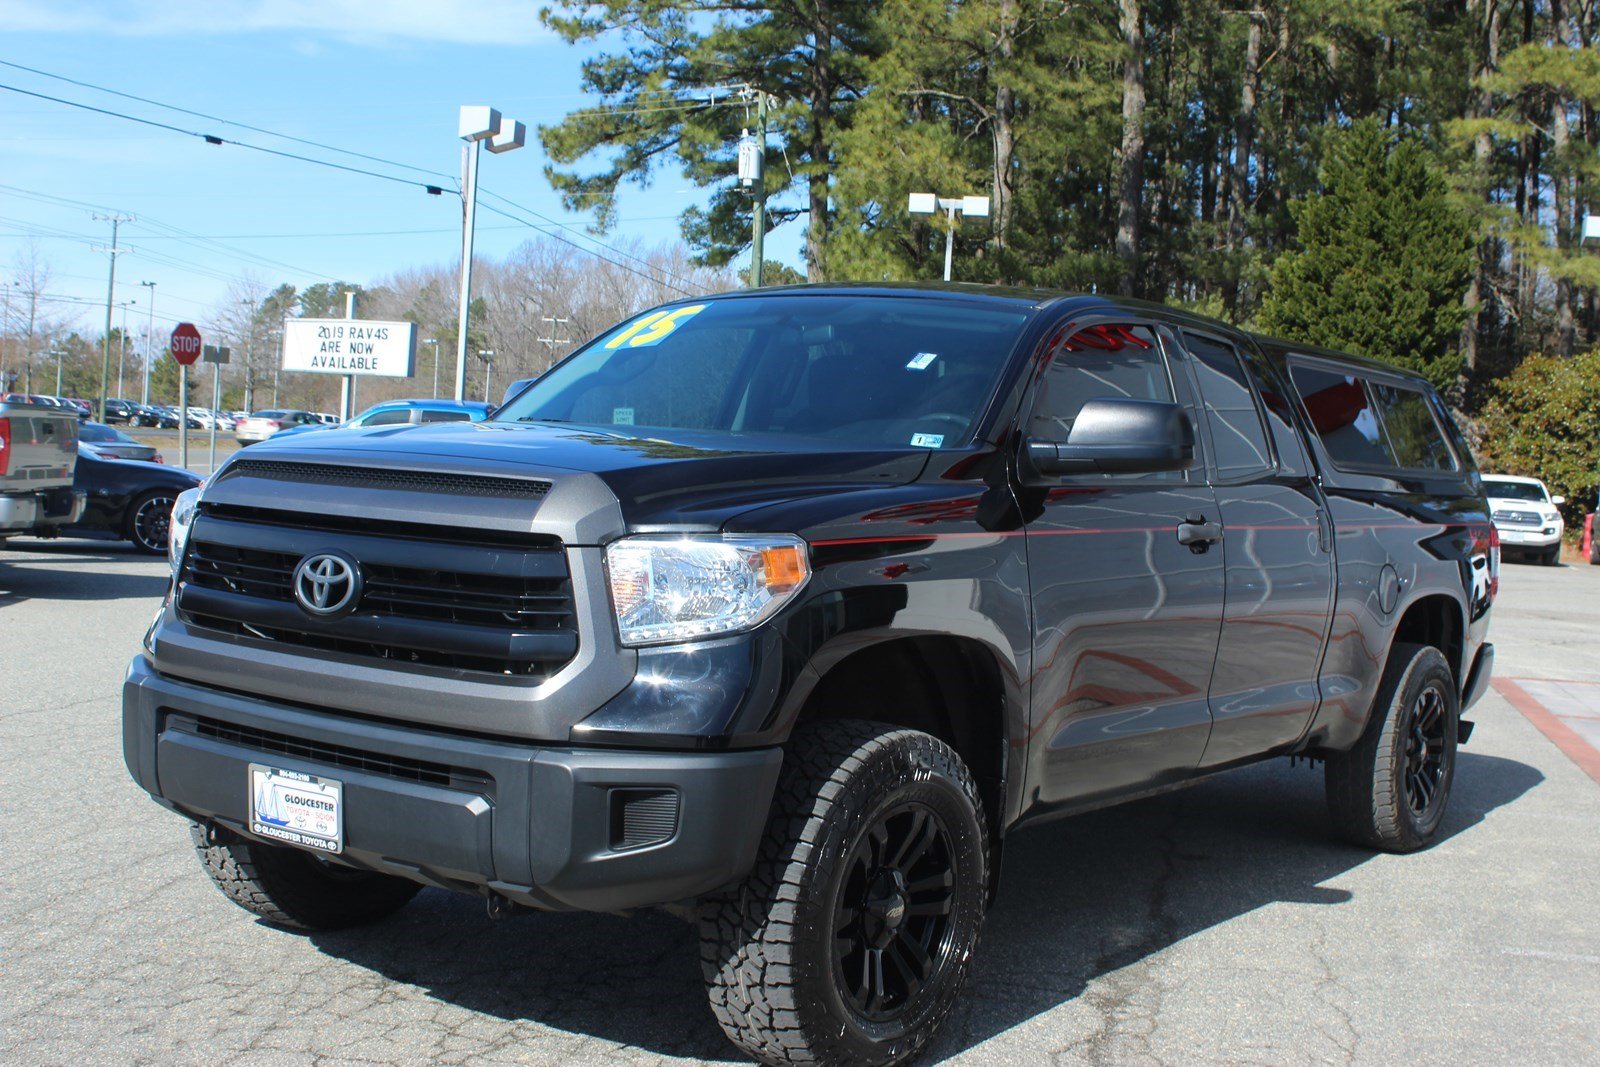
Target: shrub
{"points": [[1543, 421]]}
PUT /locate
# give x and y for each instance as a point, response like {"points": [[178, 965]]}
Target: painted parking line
{"points": [[1568, 713]]}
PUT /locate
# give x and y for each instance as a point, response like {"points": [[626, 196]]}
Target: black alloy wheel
{"points": [[1427, 755], [149, 518], [892, 921]]}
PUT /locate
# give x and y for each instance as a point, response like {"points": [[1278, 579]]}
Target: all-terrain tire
{"points": [[1406, 754], [771, 947], [296, 889], [1552, 558]]}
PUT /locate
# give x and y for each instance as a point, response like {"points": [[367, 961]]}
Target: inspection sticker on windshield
{"points": [[927, 440], [654, 328], [922, 361], [301, 809]]}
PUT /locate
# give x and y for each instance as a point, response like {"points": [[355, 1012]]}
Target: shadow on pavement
{"points": [[75, 570], [1079, 898]]}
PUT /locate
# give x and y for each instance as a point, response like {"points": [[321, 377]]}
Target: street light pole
{"points": [[487, 355], [972, 207], [435, 343], [477, 124], [122, 348], [149, 342]]}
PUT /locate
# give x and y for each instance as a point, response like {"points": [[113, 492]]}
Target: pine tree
{"points": [[1383, 261]]}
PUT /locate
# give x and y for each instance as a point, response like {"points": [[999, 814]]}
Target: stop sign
{"points": [[185, 343]]}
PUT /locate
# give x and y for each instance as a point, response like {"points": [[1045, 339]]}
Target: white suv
{"points": [[1525, 514]]}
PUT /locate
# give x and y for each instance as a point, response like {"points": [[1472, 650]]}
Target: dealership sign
{"points": [[350, 346]]}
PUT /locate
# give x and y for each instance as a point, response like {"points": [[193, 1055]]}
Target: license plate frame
{"points": [[296, 808]]}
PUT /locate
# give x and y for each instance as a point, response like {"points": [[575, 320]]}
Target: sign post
{"points": [[216, 355], [185, 348]]}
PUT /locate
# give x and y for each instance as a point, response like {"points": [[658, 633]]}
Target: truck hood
{"points": [[668, 478]]}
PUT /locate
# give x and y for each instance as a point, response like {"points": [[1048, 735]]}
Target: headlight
{"points": [[683, 588], [183, 512]]}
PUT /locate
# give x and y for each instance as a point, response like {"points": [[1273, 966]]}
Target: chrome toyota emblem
{"points": [[326, 584]]}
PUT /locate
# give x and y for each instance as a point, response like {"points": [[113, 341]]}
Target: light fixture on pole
{"points": [[1591, 230], [969, 207], [149, 342], [477, 125], [487, 355]]}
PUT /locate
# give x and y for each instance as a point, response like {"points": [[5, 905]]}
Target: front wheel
{"points": [[148, 519], [852, 936], [1391, 790], [1552, 558], [299, 890]]}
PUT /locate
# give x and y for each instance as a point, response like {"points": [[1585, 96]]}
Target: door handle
{"points": [[1197, 533]]}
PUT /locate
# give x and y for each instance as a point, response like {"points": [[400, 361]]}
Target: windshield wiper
{"points": [[536, 418]]}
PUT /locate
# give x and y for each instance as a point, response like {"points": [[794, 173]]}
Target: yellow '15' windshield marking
{"points": [[655, 327]]}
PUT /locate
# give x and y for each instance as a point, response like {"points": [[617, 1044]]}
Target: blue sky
{"points": [[383, 77]]}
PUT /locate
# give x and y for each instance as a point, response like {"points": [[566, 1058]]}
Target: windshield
{"points": [[1504, 490], [867, 370]]}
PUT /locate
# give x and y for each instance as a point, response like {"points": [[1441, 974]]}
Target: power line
{"points": [[226, 122], [211, 138]]}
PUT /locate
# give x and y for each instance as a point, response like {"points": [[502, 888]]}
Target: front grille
{"points": [[383, 478], [1518, 518], [400, 767], [495, 609]]}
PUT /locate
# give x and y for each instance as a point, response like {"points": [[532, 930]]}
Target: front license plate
{"points": [[301, 809]]}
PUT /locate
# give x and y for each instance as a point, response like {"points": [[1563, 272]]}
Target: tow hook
{"points": [[1464, 731], [501, 907], [217, 835]]}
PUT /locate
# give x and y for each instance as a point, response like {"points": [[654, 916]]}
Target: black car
{"points": [[150, 415], [128, 500], [799, 602]]}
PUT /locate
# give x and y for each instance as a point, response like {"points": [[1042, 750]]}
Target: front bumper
{"points": [[1515, 538], [546, 826]]}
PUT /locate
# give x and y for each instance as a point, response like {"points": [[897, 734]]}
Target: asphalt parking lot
{"points": [[1217, 924]]}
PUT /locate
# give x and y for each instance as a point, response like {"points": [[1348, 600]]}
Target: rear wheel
{"points": [[1391, 790], [851, 938], [297, 889], [148, 519], [1594, 549]]}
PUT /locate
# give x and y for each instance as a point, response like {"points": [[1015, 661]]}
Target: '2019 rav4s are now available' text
{"points": [[796, 603]]}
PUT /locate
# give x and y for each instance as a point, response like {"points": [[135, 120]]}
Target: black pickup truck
{"points": [[795, 603]]}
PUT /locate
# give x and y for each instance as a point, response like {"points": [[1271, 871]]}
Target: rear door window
{"points": [[1238, 437], [1414, 433]]}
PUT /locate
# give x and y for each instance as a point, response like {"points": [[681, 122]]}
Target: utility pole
{"points": [[752, 174], [5, 335], [551, 341], [149, 343], [116, 219]]}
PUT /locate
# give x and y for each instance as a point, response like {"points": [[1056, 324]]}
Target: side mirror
{"points": [[1558, 500], [1119, 435], [512, 390]]}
